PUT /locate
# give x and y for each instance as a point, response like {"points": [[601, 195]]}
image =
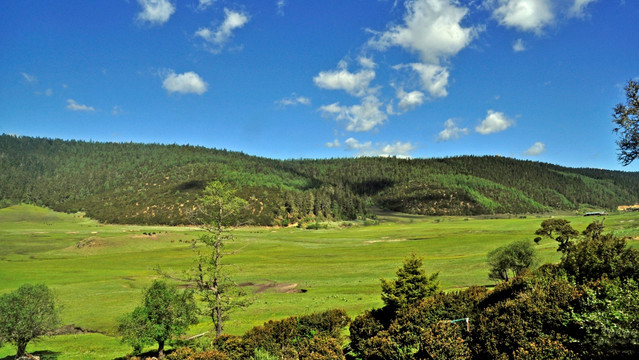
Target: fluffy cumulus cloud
{"points": [[361, 117], [431, 28], [156, 12], [233, 20], [293, 100], [398, 149], [451, 131], [537, 148], [187, 83], [409, 100], [433, 78], [74, 106], [341, 79], [493, 123], [578, 8], [524, 15]]}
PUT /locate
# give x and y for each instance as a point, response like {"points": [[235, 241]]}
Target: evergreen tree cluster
{"points": [[159, 184]]}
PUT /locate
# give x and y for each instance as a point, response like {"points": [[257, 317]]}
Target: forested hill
{"points": [[158, 184]]}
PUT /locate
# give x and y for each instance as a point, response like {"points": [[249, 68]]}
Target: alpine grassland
{"points": [[98, 272]]}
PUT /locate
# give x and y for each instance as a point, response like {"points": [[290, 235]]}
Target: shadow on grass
{"points": [[43, 355], [143, 355]]}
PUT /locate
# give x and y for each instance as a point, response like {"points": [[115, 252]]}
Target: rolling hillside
{"points": [[158, 184]]}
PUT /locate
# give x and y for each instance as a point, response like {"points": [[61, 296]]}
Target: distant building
{"points": [[628, 207], [596, 213]]}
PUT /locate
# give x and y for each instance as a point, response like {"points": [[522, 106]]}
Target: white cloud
{"points": [[48, 92], [74, 106], [280, 7], [366, 62], [525, 15], [293, 100], [494, 122], [362, 117], [537, 148], [116, 110], [578, 8], [205, 4], [398, 149], [156, 12], [341, 79], [233, 20], [434, 78], [409, 100], [334, 144], [31, 79], [431, 28], [451, 132], [519, 46], [187, 83]]}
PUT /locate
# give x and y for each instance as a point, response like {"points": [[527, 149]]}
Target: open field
{"points": [[98, 271]]}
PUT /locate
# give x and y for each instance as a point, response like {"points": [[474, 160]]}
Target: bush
{"points": [[519, 312], [443, 341], [601, 255], [185, 353], [285, 338], [544, 349], [321, 348]]}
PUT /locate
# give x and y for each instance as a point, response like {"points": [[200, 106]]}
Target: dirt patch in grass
{"points": [[72, 330], [383, 241], [90, 242], [152, 236], [288, 288]]}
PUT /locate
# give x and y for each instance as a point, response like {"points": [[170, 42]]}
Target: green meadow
{"points": [[98, 271]]}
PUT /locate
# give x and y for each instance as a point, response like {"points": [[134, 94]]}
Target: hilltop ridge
{"points": [[157, 184]]}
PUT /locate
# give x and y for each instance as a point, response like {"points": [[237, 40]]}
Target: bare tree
{"points": [[216, 214]]}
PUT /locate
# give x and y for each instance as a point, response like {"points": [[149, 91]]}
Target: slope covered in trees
{"points": [[158, 184]]}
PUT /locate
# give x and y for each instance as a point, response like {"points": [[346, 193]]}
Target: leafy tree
{"points": [[608, 319], [217, 211], [165, 313], [600, 255], [27, 314], [513, 258], [626, 120], [411, 285], [560, 231]]}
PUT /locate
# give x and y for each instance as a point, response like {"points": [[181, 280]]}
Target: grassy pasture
{"points": [[98, 271]]}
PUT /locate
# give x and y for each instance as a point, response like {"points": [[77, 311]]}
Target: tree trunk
{"points": [[22, 349], [218, 315], [161, 349]]}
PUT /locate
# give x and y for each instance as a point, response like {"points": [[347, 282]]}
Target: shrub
{"points": [[321, 348], [544, 349], [601, 255], [443, 341], [285, 338]]}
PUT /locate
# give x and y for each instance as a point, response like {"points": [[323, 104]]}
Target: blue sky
{"points": [[530, 79]]}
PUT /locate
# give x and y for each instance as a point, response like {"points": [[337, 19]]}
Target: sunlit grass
{"points": [[98, 271]]}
